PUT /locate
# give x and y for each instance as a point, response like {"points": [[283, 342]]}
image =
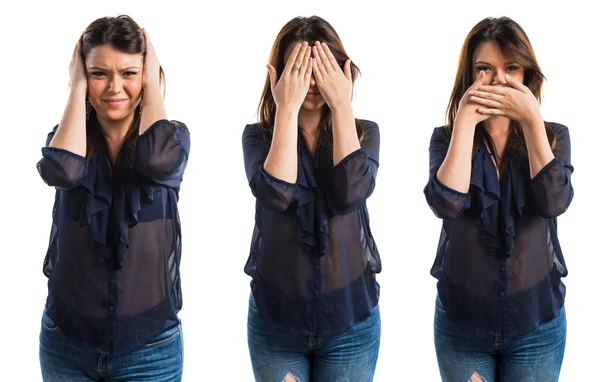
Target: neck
{"points": [[308, 122], [498, 127], [115, 131]]}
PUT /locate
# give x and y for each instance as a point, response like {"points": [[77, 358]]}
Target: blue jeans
{"points": [[63, 360], [351, 356], [535, 357]]}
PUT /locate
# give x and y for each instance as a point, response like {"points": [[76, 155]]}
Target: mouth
{"points": [[115, 102], [311, 95]]}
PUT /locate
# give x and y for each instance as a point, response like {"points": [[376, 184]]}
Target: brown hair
{"points": [[309, 29], [514, 45], [125, 35]]}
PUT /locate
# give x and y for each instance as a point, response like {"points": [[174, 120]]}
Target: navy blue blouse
{"points": [[313, 259], [115, 244], [499, 262]]}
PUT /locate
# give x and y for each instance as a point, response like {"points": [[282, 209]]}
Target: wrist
{"points": [[341, 107], [533, 122], [79, 89]]}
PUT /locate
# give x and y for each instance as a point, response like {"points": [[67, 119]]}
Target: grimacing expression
{"points": [[114, 82]]}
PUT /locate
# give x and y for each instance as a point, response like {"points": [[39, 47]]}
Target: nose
{"points": [[115, 85], [499, 78], [313, 82]]}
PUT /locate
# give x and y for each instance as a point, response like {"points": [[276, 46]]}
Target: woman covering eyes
{"points": [[115, 244], [499, 177], [311, 165]]}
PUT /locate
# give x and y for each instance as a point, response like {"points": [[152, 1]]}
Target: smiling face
{"points": [[487, 57], [314, 101], [114, 83]]}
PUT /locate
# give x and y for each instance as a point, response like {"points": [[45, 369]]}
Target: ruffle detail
{"points": [[497, 205], [95, 210], [311, 213]]}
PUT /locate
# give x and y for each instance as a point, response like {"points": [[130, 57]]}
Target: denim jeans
{"points": [[350, 356], [61, 359], [535, 357]]}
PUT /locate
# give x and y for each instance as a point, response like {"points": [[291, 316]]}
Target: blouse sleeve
{"points": [[551, 188], [353, 178], [272, 193], [445, 202], [163, 151], [61, 168]]}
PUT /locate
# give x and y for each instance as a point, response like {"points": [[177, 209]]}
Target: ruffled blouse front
{"points": [[499, 262], [313, 259], [115, 243]]}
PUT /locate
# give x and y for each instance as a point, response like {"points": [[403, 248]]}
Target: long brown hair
{"points": [[299, 29], [514, 44], [125, 35]]}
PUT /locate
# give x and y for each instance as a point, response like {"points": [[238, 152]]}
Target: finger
{"points": [[305, 61], [348, 69], [292, 59], [515, 84], [480, 94], [149, 46], [480, 78], [318, 63], [323, 58], [488, 111], [499, 90], [300, 59], [330, 57], [272, 76], [309, 68], [317, 70], [486, 102]]}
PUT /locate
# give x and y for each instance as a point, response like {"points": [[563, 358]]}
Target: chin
{"points": [[310, 105], [115, 115]]}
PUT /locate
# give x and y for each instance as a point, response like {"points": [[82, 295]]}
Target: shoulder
{"points": [[558, 128], [440, 133], [179, 125], [367, 124], [252, 130]]}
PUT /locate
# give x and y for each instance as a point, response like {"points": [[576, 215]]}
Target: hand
{"points": [[151, 65], [516, 101], [290, 90], [467, 109], [334, 84], [77, 71]]}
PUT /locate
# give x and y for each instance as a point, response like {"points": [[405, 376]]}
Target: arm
{"points": [[270, 191], [551, 187], [445, 202], [61, 168], [353, 178], [153, 103]]}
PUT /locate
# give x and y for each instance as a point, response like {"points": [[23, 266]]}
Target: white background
{"points": [[214, 55]]}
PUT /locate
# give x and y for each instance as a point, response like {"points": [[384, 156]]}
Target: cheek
{"points": [[96, 87]]}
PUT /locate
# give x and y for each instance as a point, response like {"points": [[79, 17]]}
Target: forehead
{"points": [[107, 56], [489, 52]]}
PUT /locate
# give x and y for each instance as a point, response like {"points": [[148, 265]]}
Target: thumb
{"points": [[480, 78], [348, 69], [272, 76]]}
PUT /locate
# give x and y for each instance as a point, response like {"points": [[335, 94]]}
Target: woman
{"points": [[311, 165], [115, 244], [499, 177]]}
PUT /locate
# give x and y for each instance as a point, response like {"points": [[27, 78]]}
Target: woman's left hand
{"points": [[515, 101], [151, 65], [334, 84]]}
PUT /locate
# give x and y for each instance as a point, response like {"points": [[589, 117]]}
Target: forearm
{"points": [[282, 160], [153, 107], [71, 132], [538, 148], [455, 171], [345, 138]]}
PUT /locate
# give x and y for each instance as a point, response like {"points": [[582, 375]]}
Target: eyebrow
{"points": [[487, 63], [127, 68]]}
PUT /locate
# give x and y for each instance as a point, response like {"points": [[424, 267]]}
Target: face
{"points": [[487, 57], [314, 100], [114, 82]]}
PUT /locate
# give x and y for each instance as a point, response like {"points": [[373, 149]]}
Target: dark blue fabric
{"points": [[115, 244], [313, 259], [499, 262]]}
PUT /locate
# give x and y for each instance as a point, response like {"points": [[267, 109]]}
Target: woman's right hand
{"points": [[290, 90], [467, 109], [77, 72]]}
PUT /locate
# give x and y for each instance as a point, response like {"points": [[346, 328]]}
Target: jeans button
{"points": [[501, 294]]}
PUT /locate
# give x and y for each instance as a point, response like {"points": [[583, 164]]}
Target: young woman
{"points": [[115, 244], [311, 165], [499, 177]]}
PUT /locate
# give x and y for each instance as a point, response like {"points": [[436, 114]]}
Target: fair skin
{"points": [[306, 85], [496, 97], [113, 82]]}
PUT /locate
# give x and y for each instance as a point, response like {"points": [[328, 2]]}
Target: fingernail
{"points": [[507, 77]]}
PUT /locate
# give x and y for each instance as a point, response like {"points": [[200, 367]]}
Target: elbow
{"points": [[162, 166], [349, 196], [56, 176], [444, 208], [271, 197], [446, 212], [555, 207]]}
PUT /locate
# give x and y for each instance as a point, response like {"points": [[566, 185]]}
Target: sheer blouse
{"points": [[115, 244], [313, 258]]}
